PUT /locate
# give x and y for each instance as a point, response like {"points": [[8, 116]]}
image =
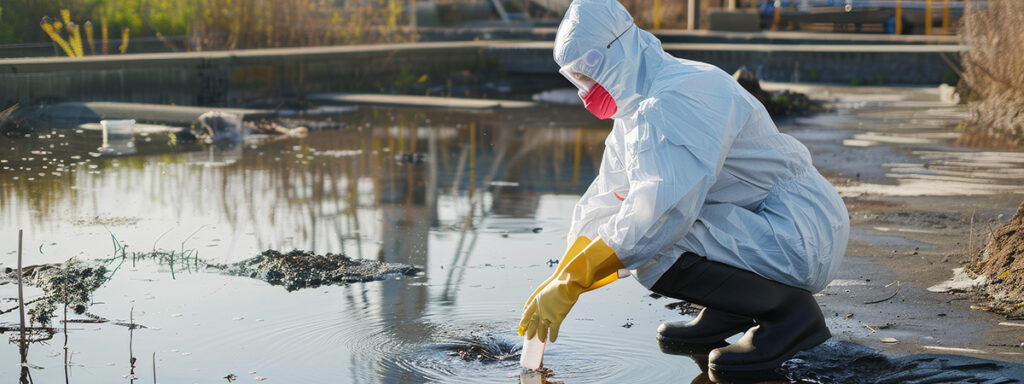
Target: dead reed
{"points": [[993, 73], [233, 24]]}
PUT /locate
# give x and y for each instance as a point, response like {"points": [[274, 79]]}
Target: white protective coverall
{"points": [[695, 163]]}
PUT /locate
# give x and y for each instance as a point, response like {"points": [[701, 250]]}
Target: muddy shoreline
{"points": [[903, 244]]}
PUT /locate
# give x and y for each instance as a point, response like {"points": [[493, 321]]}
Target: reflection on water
{"points": [[479, 200], [333, 191]]}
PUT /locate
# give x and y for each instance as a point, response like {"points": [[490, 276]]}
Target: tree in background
{"points": [[19, 19]]}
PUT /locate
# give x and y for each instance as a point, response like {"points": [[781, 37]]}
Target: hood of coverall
{"points": [[629, 62]]}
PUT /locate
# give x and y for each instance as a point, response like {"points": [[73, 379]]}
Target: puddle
{"points": [[478, 201], [901, 144], [481, 250]]}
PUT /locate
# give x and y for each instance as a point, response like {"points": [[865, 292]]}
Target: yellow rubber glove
{"points": [[544, 314], [578, 246]]}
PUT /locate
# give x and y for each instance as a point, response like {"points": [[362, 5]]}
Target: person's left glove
{"points": [[544, 314]]}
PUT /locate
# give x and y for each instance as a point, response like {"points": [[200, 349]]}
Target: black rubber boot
{"points": [[788, 318], [711, 326]]}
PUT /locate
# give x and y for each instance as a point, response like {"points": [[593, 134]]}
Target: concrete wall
{"points": [[238, 78]]}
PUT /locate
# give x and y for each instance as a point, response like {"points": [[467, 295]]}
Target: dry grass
{"points": [[233, 24], [993, 71], [673, 13]]}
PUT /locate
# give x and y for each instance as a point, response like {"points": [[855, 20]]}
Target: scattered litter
{"points": [[889, 340], [894, 293], [1009, 324], [952, 349], [959, 282]]}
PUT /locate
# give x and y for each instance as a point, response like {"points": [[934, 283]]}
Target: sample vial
{"points": [[533, 353]]}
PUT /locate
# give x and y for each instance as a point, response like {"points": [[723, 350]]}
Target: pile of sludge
{"points": [[304, 269]]}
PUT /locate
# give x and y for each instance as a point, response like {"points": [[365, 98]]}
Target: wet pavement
{"points": [[479, 201]]}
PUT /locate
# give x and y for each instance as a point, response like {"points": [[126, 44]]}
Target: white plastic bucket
{"points": [[117, 136]]}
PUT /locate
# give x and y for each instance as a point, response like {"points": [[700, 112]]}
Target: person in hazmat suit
{"points": [[698, 195]]}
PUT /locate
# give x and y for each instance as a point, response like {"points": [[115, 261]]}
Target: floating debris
{"points": [[302, 269], [71, 283]]}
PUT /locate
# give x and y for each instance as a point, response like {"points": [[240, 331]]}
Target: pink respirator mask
{"points": [[595, 98]]}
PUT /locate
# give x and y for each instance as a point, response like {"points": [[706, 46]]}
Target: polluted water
{"points": [[479, 203]]}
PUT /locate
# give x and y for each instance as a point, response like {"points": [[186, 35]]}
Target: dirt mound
{"points": [[1002, 263], [303, 269]]}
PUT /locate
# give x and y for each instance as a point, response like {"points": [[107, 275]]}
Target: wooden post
{"points": [[778, 17], [412, 16], [928, 17], [657, 14], [899, 17], [691, 17], [23, 344], [945, 17], [731, 5]]}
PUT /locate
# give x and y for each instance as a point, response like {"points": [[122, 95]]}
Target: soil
{"points": [[1002, 264], [302, 269], [899, 247]]}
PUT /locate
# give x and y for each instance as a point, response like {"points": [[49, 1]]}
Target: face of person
{"points": [[584, 80]]}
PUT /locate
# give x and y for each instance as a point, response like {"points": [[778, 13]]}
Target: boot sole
{"points": [[682, 348], [728, 373], [705, 340]]}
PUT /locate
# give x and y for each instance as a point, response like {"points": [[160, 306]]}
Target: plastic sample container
{"points": [[533, 353]]}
